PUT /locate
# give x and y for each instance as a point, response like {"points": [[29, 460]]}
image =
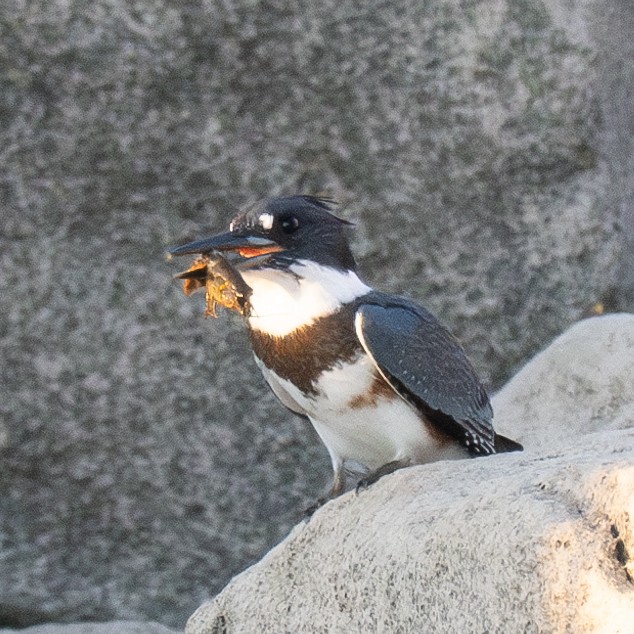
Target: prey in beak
{"points": [[217, 268], [222, 282]]}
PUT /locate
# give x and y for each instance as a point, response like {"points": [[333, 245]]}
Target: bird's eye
{"points": [[289, 224]]}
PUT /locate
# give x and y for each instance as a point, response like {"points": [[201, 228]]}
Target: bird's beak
{"points": [[245, 245]]}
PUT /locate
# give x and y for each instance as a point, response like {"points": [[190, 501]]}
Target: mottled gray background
{"points": [[484, 147]]}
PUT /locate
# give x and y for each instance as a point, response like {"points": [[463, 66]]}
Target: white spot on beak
{"points": [[266, 221]]}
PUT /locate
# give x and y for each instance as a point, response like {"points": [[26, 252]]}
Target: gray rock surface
{"points": [[114, 627], [538, 541], [483, 148], [583, 382]]}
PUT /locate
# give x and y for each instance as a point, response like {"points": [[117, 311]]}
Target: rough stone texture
{"points": [[583, 381], [484, 144], [506, 544], [609, 28], [114, 627], [532, 542]]}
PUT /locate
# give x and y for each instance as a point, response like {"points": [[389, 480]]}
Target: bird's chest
{"points": [[321, 369], [343, 387], [309, 354]]}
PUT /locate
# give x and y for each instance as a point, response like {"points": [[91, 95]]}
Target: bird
{"points": [[383, 383]]}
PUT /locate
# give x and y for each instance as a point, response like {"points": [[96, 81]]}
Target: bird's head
{"points": [[278, 232]]}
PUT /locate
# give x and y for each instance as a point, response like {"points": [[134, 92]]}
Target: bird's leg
{"points": [[338, 485], [339, 482], [390, 467]]}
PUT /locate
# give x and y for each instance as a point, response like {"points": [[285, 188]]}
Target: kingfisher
{"points": [[383, 383]]}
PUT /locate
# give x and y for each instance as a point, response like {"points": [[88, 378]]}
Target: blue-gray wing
{"points": [[427, 366]]}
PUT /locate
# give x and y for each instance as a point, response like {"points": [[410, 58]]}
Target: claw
{"points": [[386, 469], [317, 504]]}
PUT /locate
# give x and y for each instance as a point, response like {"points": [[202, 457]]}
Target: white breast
{"points": [[284, 300]]}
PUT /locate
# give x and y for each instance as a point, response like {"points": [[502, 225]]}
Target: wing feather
{"points": [[426, 365]]}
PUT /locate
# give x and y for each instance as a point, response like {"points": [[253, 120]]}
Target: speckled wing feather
{"points": [[426, 365]]}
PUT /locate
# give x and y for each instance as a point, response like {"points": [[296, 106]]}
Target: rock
{"points": [[538, 541], [485, 153], [114, 627], [583, 382]]}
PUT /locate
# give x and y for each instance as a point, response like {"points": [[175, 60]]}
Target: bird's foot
{"points": [[337, 489], [317, 504], [386, 469]]}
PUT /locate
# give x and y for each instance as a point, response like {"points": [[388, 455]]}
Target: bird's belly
{"points": [[359, 423], [378, 434]]}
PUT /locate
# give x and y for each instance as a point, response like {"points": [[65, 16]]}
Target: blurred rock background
{"points": [[484, 147]]}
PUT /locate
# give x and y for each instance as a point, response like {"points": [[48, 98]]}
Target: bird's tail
{"points": [[504, 444]]}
